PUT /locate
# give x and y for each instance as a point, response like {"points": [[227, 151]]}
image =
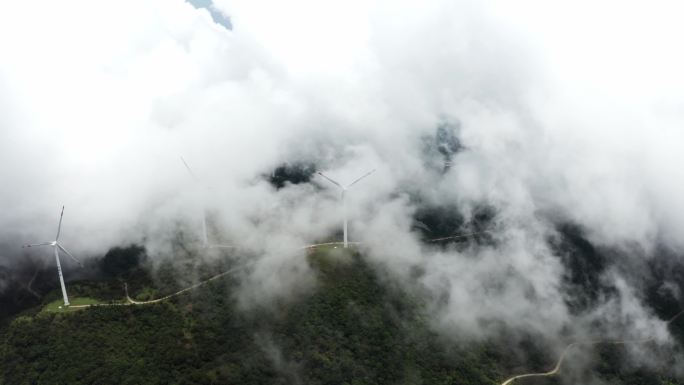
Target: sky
{"points": [[216, 15], [567, 112]]}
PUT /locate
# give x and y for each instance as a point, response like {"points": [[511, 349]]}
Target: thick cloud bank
{"points": [[563, 113]]}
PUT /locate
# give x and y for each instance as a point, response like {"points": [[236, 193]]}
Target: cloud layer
{"points": [[566, 113]]}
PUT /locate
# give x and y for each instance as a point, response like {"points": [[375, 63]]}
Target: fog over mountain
{"points": [[542, 114]]}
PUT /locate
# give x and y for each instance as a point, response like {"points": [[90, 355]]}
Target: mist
{"points": [[563, 114]]}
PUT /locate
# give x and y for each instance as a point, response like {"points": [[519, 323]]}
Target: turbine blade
{"points": [[59, 227], [69, 254], [205, 234], [192, 174], [37, 244], [332, 181], [364, 175]]}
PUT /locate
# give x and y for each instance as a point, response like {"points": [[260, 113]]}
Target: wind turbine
{"points": [[205, 237], [344, 202], [56, 246]]}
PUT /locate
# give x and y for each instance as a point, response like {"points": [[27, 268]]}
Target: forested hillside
{"points": [[356, 327]]}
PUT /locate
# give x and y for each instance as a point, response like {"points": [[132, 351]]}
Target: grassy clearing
{"points": [[335, 249], [326, 257], [58, 305]]}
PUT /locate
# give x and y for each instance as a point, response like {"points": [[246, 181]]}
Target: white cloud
{"points": [[566, 111]]}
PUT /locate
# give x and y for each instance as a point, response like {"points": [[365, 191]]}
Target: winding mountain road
{"points": [[131, 301], [559, 363]]}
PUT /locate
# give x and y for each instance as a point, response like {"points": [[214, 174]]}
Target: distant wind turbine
{"points": [[205, 237], [57, 247], [344, 201]]}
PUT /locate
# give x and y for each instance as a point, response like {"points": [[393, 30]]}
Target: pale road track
{"points": [[459, 236], [327, 244], [556, 369], [131, 301]]}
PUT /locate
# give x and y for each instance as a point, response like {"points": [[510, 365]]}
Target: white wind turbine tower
{"points": [[205, 237], [56, 246], [344, 201]]}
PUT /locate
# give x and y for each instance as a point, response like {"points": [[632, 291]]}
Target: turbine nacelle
{"points": [[344, 189]]}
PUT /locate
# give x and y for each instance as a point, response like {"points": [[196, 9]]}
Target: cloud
{"points": [[568, 114]]}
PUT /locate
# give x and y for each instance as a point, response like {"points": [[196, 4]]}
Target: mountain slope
{"points": [[354, 328]]}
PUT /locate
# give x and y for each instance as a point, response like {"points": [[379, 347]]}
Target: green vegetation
{"points": [[332, 250], [356, 327], [352, 329], [122, 261], [74, 303]]}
